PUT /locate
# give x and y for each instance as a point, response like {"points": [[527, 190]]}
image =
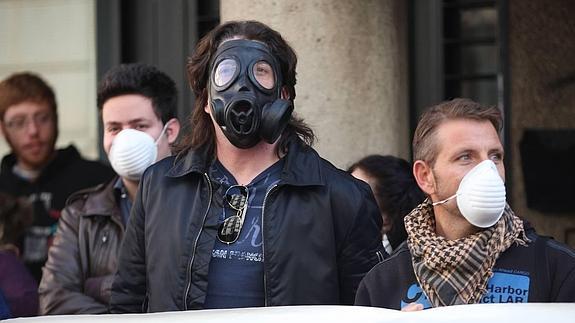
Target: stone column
{"points": [[352, 70]]}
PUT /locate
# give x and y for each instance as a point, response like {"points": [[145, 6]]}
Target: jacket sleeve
{"points": [[362, 297], [362, 249], [129, 286], [566, 292], [62, 287], [562, 272]]}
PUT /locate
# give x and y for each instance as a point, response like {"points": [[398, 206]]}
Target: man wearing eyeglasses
{"points": [[34, 168], [247, 214]]}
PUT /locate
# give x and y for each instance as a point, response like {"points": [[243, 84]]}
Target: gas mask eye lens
{"points": [[264, 74], [225, 72]]}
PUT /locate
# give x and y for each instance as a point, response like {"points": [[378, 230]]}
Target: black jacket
{"points": [[67, 173], [320, 235], [542, 271]]}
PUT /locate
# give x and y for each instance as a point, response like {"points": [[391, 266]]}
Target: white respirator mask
{"points": [[481, 195], [132, 152]]}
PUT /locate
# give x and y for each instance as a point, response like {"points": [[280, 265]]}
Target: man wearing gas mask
{"points": [[465, 245], [138, 105], [247, 214]]}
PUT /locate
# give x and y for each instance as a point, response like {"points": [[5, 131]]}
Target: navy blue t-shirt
{"points": [[235, 277]]}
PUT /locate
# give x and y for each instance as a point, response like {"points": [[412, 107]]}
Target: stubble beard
{"points": [[34, 163], [450, 206]]}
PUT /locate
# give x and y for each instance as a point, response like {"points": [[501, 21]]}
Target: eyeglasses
{"points": [[237, 199], [21, 123]]}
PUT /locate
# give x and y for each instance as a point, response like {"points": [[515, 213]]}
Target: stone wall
{"points": [[542, 54]]}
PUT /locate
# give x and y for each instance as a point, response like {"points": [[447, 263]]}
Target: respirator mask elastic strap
{"points": [[444, 201], [162, 132]]}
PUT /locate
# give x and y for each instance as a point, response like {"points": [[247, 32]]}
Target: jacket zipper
{"points": [[263, 243], [380, 256], [189, 273]]}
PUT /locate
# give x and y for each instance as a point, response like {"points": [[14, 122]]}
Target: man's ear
{"points": [[207, 108], [285, 94], [173, 130], [424, 176]]}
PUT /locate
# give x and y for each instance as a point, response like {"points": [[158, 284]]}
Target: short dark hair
{"points": [[24, 87], [144, 80], [202, 133], [424, 145], [15, 217], [396, 190]]}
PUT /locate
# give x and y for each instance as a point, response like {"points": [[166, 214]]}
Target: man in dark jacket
{"points": [[465, 245], [247, 214], [138, 104], [35, 169]]}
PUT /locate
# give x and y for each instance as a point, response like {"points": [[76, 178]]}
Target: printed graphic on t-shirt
{"points": [[247, 248], [507, 288], [38, 237], [236, 272], [503, 287], [415, 295], [36, 243], [44, 197]]}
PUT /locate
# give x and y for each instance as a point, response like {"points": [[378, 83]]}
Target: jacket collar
{"points": [[302, 165], [189, 161], [102, 201]]}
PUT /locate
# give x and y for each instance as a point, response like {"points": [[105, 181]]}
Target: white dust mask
{"points": [[132, 152], [481, 195]]}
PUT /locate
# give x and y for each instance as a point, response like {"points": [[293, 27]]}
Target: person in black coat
{"points": [[247, 214]]}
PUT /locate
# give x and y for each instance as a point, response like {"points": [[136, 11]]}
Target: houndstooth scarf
{"points": [[452, 272]]}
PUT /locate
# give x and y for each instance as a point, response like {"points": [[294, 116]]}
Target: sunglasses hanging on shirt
{"points": [[237, 200]]}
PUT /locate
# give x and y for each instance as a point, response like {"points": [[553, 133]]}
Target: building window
{"points": [[56, 39], [456, 50], [471, 50]]}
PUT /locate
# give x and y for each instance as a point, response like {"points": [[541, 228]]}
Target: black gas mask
{"points": [[245, 92]]}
